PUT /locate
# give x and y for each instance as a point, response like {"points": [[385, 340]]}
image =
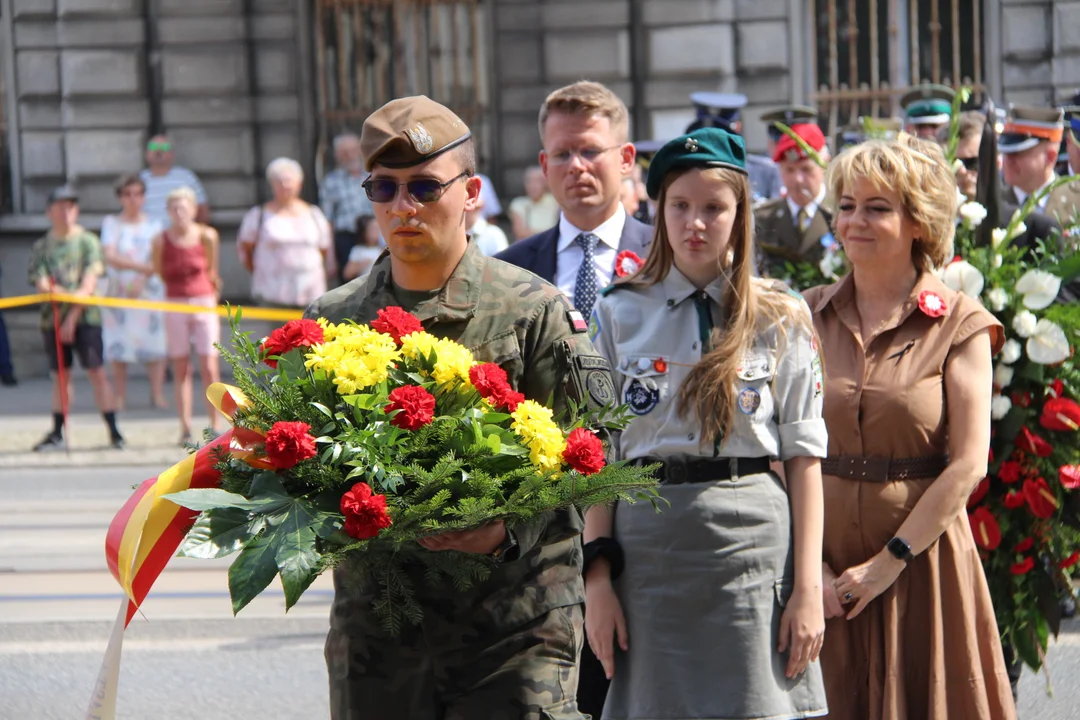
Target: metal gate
{"points": [[369, 52], [867, 52]]}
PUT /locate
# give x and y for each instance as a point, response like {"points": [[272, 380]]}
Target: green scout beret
{"points": [[408, 131], [706, 147]]}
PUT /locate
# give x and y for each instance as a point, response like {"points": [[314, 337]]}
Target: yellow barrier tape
{"points": [[249, 313]]}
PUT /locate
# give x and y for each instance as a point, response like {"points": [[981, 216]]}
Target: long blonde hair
{"points": [[748, 305]]}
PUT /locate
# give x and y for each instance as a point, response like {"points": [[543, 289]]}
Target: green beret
{"points": [[706, 147]]}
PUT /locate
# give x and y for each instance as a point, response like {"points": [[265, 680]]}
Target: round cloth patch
{"points": [[640, 398], [749, 400], [601, 390]]}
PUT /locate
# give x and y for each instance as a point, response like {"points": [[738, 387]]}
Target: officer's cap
{"points": [[791, 151], [1028, 126], [408, 131], [704, 148], [928, 104], [717, 109], [64, 192], [791, 116]]}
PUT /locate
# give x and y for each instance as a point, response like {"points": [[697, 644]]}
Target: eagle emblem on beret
{"points": [[793, 155], [420, 138]]}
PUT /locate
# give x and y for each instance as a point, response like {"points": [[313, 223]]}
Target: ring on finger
{"points": [[848, 596]]}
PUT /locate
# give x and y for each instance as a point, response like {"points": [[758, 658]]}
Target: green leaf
{"points": [[494, 442], [213, 498], [253, 569], [292, 365], [494, 418], [1034, 372], [1068, 268], [364, 401], [220, 532], [294, 552], [1010, 425]]}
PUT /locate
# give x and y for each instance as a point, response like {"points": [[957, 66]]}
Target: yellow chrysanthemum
{"points": [[358, 358], [330, 330], [417, 344], [324, 356], [452, 361], [533, 424]]}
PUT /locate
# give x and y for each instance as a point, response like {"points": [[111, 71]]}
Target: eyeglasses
{"points": [[422, 190], [159, 146], [971, 164], [587, 155]]}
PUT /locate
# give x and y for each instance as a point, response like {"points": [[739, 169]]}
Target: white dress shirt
{"points": [[811, 207], [1022, 196], [569, 254], [489, 239]]}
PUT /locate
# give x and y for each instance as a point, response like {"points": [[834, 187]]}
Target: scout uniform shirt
{"points": [[653, 337]]}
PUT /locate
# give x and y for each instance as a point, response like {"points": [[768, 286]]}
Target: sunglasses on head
{"points": [[159, 146], [421, 190], [971, 164]]}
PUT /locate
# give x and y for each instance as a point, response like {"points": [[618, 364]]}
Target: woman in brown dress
{"points": [[911, 634]]}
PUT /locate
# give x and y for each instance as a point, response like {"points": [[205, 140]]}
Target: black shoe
{"points": [[8, 380], [117, 442], [52, 441]]}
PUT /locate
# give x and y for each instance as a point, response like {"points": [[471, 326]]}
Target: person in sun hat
{"points": [[509, 646], [926, 108], [1029, 146]]}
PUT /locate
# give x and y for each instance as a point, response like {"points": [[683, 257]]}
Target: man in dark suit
{"points": [[1029, 149], [584, 130]]}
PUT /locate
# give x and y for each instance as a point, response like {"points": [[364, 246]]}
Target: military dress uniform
{"points": [[706, 580], [507, 648], [926, 108], [1025, 128]]}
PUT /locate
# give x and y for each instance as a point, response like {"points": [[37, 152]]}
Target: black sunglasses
{"points": [[971, 164], [422, 190]]}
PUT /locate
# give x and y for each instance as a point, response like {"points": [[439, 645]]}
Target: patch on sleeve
{"points": [[819, 376], [600, 388], [594, 326], [577, 321]]}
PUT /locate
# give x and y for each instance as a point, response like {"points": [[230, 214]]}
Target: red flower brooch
{"points": [[932, 304], [627, 262]]}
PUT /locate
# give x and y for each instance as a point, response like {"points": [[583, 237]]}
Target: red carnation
{"points": [[1024, 545], [507, 397], [487, 379], [979, 492], [365, 512], [932, 304], [1060, 414], [1069, 561], [1069, 476], [293, 334], [288, 443], [1040, 499], [1009, 472], [396, 323], [1032, 443], [1013, 500], [584, 452], [416, 404], [985, 529], [1023, 567]]}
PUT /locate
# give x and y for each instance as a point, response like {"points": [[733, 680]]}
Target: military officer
{"points": [[926, 108], [508, 648], [796, 227], [721, 110], [791, 116], [1072, 138], [1029, 147]]}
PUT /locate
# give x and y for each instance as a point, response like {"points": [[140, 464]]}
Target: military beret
{"points": [[788, 149], [1026, 127], [704, 148], [408, 131], [791, 116], [928, 104]]}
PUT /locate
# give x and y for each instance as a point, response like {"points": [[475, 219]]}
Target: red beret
{"points": [[788, 149]]}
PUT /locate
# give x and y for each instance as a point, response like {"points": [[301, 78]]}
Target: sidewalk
{"points": [[152, 435]]}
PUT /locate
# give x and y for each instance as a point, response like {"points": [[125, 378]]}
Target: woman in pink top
{"points": [[186, 257], [286, 244]]}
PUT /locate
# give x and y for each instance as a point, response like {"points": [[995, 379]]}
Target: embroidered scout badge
{"points": [[641, 398], [749, 400], [594, 327]]}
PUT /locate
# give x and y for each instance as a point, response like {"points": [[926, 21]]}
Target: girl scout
{"points": [[718, 608]]}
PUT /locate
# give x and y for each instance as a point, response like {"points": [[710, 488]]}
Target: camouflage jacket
{"points": [[509, 316]]}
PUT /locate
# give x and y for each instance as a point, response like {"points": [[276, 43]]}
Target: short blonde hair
{"points": [[284, 166], [587, 98], [916, 170], [182, 193]]}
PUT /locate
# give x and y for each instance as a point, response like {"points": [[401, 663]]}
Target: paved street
{"points": [[188, 657]]}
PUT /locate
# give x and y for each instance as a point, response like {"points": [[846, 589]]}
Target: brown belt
{"points": [[879, 469]]}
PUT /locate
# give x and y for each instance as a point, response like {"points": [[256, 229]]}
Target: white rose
{"points": [[1011, 352], [1003, 375], [1025, 323], [963, 277], [1039, 288], [998, 260], [1000, 407], [973, 214], [998, 299], [998, 237]]}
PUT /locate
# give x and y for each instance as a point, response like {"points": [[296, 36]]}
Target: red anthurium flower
{"points": [[990, 456], [1056, 388], [979, 492], [396, 323], [1069, 476], [1022, 399], [1009, 472], [1023, 567], [288, 443], [1060, 414], [1040, 498], [416, 404], [365, 512], [1032, 443], [584, 452], [984, 526], [1069, 561], [1013, 500], [1024, 545], [627, 262], [932, 304]]}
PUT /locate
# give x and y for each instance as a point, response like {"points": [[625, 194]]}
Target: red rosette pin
{"points": [[932, 304], [627, 262]]}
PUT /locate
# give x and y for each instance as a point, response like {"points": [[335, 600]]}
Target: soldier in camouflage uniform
{"points": [[509, 647]]}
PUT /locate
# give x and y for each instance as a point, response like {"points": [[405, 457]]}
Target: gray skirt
{"points": [[705, 584]]}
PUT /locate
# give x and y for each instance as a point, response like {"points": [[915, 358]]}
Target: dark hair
{"points": [[466, 156], [363, 222], [126, 181]]}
